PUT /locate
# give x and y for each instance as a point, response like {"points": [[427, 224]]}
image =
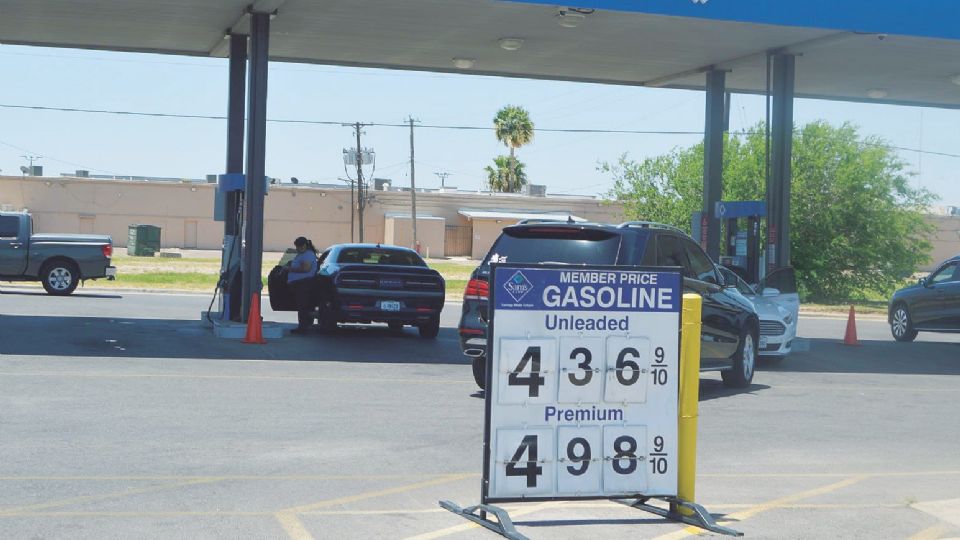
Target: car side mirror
{"points": [[769, 291], [922, 282]]}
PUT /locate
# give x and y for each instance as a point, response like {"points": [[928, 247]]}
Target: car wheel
{"points": [[744, 363], [900, 325], [60, 278], [480, 371], [325, 319], [395, 326], [430, 329]]}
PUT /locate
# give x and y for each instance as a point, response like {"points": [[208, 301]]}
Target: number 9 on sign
{"points": [[580, 466]]}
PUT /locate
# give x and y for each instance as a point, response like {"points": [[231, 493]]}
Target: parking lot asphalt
{"points": [[121, 416]]}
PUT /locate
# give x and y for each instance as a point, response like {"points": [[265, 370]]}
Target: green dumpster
{"points": [[143, 240]]}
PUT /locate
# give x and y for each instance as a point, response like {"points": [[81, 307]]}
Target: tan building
{"points": [[446, 223], [946, 239]]}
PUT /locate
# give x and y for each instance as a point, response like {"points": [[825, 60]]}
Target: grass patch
{"points": [[873, 307], [189, 281]]}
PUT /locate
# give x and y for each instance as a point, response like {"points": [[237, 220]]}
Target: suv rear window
{"points": [[379, 256], [566, 245]]}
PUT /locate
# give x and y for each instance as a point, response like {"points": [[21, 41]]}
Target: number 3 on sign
{"points": [[524, 462], [581, 364], [527, 371]]}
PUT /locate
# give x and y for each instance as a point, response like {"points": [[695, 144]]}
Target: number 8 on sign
{"points": [[526, 371]]}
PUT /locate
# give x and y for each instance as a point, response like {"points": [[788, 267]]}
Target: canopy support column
{"points": [[781, 173], [713, 161]]}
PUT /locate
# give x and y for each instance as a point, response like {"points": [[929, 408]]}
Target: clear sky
{"points": [[566, 163]]}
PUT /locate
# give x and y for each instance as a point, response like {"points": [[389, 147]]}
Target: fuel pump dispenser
{"points": [[229, 208], [741, 222]]}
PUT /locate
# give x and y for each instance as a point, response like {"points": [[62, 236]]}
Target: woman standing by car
{"points": [[300, 278]]}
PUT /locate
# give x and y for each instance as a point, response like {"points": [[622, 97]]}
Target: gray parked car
{"points": [[932, 305], [59, 261]]}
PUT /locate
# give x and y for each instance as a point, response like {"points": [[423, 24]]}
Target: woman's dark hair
{"points": [[301, 241]]}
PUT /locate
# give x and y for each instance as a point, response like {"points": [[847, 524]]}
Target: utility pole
{"points": [[413, 188], [443, 177], [360, 198], [31, 159], [357, 155]]}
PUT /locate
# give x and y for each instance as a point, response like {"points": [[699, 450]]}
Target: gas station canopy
{"points": [[885, 51]]}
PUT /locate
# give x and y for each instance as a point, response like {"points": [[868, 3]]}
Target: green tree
{"points": [[856, 222], [498, 177], [514, 129]]}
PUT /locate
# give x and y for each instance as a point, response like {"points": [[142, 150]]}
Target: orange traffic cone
{"points": [[850, 338], [254, 322]]}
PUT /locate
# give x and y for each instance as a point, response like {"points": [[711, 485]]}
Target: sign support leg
{"points": [[689, 513], [502, 526]]}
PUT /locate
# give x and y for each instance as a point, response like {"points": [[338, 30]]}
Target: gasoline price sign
{"points": [[582, 384]]}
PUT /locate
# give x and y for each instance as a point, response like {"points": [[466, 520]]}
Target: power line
{"points": [[407, 126], [334, 123]]}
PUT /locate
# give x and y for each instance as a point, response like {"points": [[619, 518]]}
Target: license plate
{"points": [[390, 306], [111, 271], [763, 342]]}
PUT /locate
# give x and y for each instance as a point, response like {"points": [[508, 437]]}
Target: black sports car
{"points": [[364, 283], [932, 305]]}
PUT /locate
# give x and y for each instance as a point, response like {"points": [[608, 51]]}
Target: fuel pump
{"points": [[741, 222], [741, 219], [230, 208]]}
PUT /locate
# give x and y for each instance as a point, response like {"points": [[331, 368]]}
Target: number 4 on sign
{"points": [[533, 381], [526, 371], [531, 470]]}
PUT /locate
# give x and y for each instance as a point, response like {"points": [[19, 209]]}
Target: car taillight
{"points": [[107, 250], [477, 289]]}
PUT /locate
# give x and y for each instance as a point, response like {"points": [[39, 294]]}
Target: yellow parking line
{"points": [[140, 514], [769, 505], [829, 475], [848, 388], [309, 477], [932, 533], [251, 377], [90, 498], [297, 531], [305, 477]]}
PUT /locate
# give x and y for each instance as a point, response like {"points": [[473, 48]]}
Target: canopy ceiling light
{"points": [[877, 93], [464, 63], [510, 43], [571, 17]]}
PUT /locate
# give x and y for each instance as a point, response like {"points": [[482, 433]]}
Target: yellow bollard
{"points": [[691, 327]]}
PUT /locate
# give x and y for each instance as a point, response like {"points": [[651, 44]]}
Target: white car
{"points": [[778, 311]]}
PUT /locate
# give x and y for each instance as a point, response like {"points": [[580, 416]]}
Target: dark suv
{"points": [[730, 323]]}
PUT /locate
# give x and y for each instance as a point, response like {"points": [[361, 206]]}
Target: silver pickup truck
{"points": [[59, 261]]}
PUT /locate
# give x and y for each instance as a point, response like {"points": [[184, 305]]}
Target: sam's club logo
{"points": [[518, 286]]}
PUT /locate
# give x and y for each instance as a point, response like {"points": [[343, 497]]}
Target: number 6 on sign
{"points": [[527, 371], [628, 362]]}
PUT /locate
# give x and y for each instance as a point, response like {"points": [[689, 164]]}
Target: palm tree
{"points": [[499, 177], [514, 129]]}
